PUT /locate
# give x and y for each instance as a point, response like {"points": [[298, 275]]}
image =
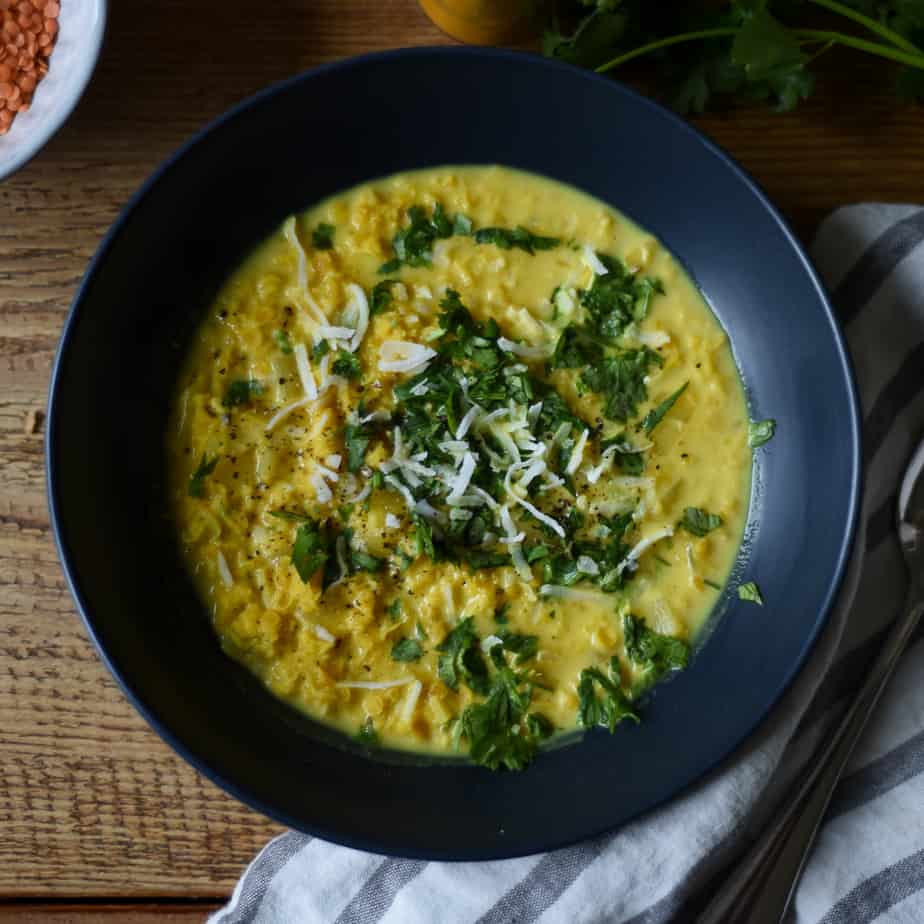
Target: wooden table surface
{"points": [[99, 819]]}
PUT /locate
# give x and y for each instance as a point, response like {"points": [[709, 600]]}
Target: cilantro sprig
{"points": [[746, 50]]}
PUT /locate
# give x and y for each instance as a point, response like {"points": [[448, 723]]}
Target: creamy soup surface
{"points": [[459, 461]]}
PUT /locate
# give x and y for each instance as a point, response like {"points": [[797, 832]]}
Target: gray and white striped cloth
{"points": [[869, 860]]}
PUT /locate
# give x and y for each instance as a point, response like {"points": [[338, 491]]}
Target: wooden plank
{"points": [[91, 802], [102, 913]]}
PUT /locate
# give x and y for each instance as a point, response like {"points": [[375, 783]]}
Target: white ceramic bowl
{"points": [[80, 34]]}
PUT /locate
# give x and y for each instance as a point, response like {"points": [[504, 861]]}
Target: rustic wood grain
{"points": [[91, 802], [106, 913]]}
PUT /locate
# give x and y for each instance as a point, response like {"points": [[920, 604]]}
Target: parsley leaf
{"points": [[620, 379], [357, 438], [407, 649], [283, 341], [461, 659], [346, 364], [611, 706], [393, 610], [197, 479], [617, 298], [291, 516], [656, 415], [523, 647], [501, 732], [323, 236], [482, 558], [367, 734], [751, 593], [363, 561], [241, 391], [656, 654], [760, 432], [382, 298], [519, 237], [413, 244], [698, 521], [311, 549]]}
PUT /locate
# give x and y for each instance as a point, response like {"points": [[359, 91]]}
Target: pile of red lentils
{"points": [[27, 35]]}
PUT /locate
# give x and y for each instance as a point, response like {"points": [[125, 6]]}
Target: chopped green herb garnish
{"points": [[656, 415], [393, 610], [311, 549], [363, 561], [751, 593], [481, 558], [760, 432], [323, 236], [367, 734], [320, 349], [345, 511], [620, 380], [698, 521], [347, 365], [609, 708], [461, 659], [501, 732], [197, 479], [407, 649], [523, 646], [617, 299], [283, 341], [656, 654], [382, 298], [501, 614], [241, 391], [519, 237], [413, 245], [357, 438], [291, 515]]}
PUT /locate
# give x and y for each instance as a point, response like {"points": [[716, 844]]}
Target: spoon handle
{"points": [[760, 889]]}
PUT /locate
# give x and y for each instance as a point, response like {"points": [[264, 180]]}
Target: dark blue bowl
{"points": [[280, 152]]}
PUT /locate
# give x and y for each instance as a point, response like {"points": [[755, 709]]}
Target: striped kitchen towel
{"points": [[869, 860]]}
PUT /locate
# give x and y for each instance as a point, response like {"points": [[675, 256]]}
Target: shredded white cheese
{"points": [[642, 546], [522, 349], [363, 493], [224, 572], [327, 332], [466, 470], [526, 505], [466, 421], [410, 704], [304, 371], [402, 490], [489, 642], [322, 633], [391, 521], [374, 684], [653, 339], [333, 460], [291, 235], [404, 356], [516, 549], [586, 565], [284, 412], [326, 472], [358, 308], [321, 489], [577, 454], [589, 256]]}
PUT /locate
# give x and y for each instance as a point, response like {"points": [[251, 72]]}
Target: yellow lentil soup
{"points": [[460, 460]]}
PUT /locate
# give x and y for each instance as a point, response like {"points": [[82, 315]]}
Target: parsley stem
{"points": [[867, 22], [665, 43], [873, 48]]}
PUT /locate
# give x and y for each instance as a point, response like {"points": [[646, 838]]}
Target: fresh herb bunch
{"points": [[743, 50]]}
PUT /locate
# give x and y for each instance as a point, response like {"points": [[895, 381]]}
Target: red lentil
{"points": [[27, 34]]}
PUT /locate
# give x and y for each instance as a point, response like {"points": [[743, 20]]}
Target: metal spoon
{"points": [[760, 890]]}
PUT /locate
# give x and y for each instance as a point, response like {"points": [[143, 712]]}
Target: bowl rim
{"points": [[150, 712], [85, 72]]}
